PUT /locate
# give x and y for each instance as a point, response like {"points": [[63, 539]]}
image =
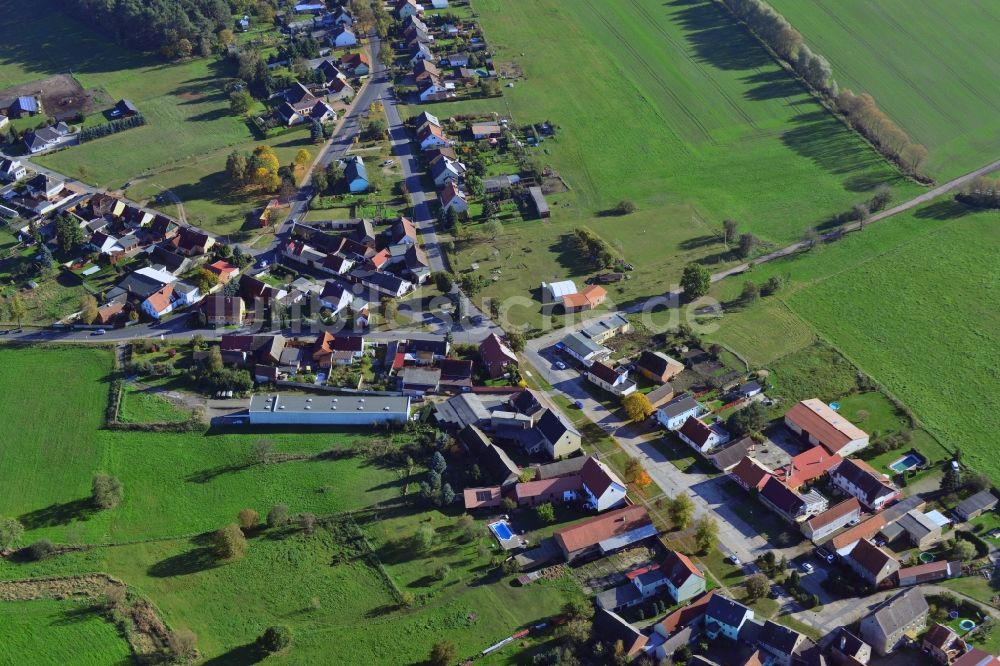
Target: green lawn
{"points": [[74, 633], [929, 64], [180, 486], [189, 129], [685, 115], [139, 406], [912, 301]]}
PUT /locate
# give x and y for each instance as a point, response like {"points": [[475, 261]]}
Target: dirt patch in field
{"points": [[62, 96], [554, 184], [189, 95], [509, 70]]}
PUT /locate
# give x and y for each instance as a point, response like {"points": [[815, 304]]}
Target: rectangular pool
{"points": [[502, 530], [907, 462]]}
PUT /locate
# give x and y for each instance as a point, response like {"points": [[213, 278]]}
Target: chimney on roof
{"points": [[843, 642]]}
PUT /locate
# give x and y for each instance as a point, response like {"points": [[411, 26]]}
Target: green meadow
{"points": [[677, 108], [930, 64], [73, 634], [911, 301], [180, 487]]}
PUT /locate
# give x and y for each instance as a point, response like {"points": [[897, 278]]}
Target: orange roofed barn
{"points": [[605, 533], [815, 423], [588, 299]]}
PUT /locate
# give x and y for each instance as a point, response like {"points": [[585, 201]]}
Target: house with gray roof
{"points": [[673, 415], [976, 505], [895, 621], [584, 349], [462, 410]]}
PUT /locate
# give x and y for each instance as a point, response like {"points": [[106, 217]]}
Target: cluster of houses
{"points": [[443, 165], [301, 103], [389, 263], [739, 637], [41, 193], [436, 78]]}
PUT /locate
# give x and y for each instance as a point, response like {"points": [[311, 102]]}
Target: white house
{"points": [[159, 302], [443, 170], [858, 479], [336, 297], [702, 437], [610, 379], [452, 198], [343, 37], [431, 88], [431, 136], [725, 617], [12, 170], [673, 415], [603, 487]]}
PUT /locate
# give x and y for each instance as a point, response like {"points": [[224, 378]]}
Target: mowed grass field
{"points": [[677, 108], [932, 65], [178, 487], [189, 130], [913, 301], [72, 631]]}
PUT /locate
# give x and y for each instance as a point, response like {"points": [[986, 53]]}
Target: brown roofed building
{"points": [[482, 498], [871, 562], [592, 296], [750, 474], [495, 356], [824, 524], [658, 367], [816, 423], [943, 644], [559, 490], [611, 628], [605, 533], [223, 310], [863, 530], [809, 465]]}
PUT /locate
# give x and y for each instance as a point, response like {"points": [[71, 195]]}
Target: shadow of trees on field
{"points": [[822, 141], [944, 209], [58, 514], [238, 656], [193, 561], [773, 84], [717, 39]]}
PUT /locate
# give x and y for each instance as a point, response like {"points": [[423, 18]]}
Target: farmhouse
{"points": [[12, 170], [605, 533], [683, 579], [495, 356], [943, 644], [452, 198], [872, 489], [343, 37], [808, 466], [725, 617], [750, 474], [356, 63], [355, 174], [658, 367], [814, 422], [444, 170], [560, 490], [873, 564], [603, 488], [676, 412], [354, 409], [44, 138], [611, 380], [702, 438], [886, 627], [223, 310], [433, 88]]}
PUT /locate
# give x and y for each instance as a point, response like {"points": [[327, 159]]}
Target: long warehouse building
{"points": [[354, 409]]}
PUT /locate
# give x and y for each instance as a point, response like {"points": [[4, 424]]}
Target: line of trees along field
{"points": [[172, 27], [861, 110]]}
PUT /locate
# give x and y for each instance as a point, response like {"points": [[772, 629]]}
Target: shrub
{"points": [[275, 639], [230, 544], [40, 550], [248, 519], [106, 491]]}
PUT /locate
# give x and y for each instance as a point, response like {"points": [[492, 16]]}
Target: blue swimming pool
{"points": [[502, 530], [907, 462]]}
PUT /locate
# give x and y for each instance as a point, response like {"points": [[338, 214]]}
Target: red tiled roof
{"points": [[221, 267], [481, 497], [160, 300], [863, 530], [751, 473], [492, 350], [560, 484], [809, 465], [603, 372], [597, 529], [870, 557], [682, 617], [832, 430]]}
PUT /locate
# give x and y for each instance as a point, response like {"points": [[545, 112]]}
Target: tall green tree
{"points": [[696, 281]]}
